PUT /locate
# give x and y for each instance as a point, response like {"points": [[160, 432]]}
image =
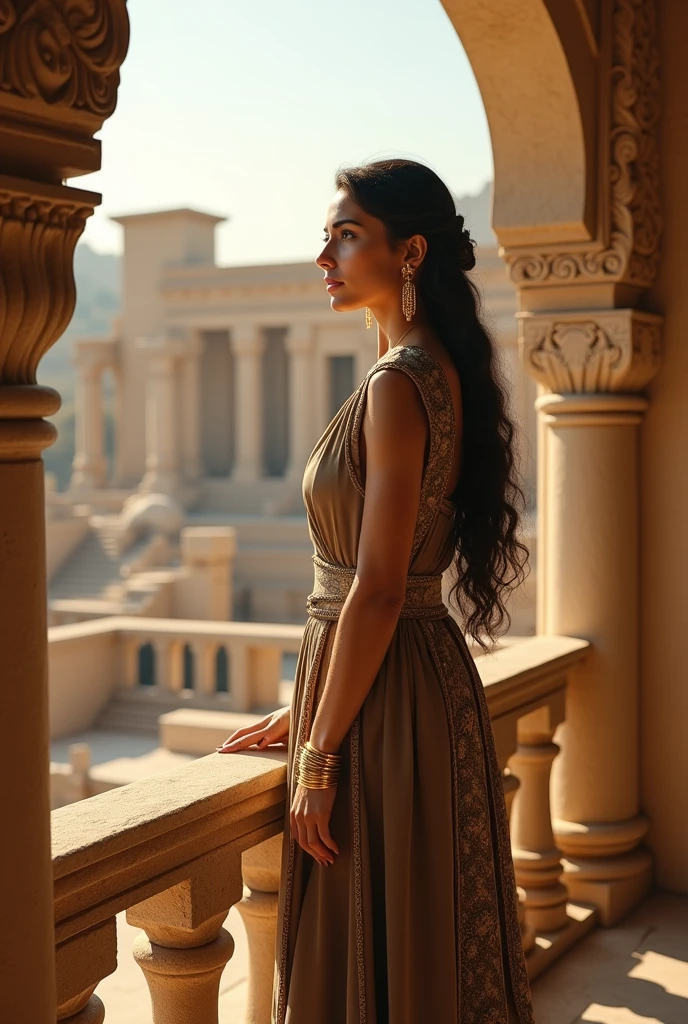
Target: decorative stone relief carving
{"points": [[39, 228], [64, 52], [59, 62], [579, 352], [632, 252]]}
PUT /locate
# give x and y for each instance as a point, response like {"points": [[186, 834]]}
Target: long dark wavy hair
{"points": [[409, 198]]}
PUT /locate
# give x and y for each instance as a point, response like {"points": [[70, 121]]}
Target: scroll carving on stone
{"points": [[614, 351], [38, 232], [632, 253], [64, 52]]}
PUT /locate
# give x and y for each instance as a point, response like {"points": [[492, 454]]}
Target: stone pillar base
{"points": [[613, 885]]}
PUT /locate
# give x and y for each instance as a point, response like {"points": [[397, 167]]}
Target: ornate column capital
{"points": [[95, 353], [246, 340], [59, 67], [583, 351], [626, 247], [39, 227], [162, 350]]}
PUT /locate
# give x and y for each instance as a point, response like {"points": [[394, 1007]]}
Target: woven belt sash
{"points": [[333, 582]]}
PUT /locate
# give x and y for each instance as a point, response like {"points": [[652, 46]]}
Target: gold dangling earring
{"points": [[408, 293], [369, 318]]}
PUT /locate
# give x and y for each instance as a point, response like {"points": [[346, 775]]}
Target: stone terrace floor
{"points": [[635, 973]]}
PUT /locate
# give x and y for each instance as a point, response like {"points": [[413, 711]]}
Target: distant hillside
{"points": [[98, 291], [98, 296], [476, 212]]}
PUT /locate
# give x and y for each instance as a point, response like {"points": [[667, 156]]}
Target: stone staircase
{"points": [[98, 578], [97, 570], [138, 710]]}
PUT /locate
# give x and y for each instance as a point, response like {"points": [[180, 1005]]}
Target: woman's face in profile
{"points": [[360, 267]]}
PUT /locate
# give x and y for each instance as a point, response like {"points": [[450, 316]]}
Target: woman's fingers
{"points": [[239, 742], [324, 830], [316, 847], [245, 730]]}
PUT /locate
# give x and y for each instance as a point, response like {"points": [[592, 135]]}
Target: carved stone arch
{"points": [[537, 82]]}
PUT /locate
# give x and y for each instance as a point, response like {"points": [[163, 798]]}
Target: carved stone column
{"points": [[593, 351], [299, 345], [89, 466], [58, 69], [248, 345], [162, 414]]}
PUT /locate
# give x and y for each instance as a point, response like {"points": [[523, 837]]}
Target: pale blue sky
{"points": [[247, 107]]}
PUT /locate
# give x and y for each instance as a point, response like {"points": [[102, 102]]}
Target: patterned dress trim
{"points": [[431, 380], [504, 865]]}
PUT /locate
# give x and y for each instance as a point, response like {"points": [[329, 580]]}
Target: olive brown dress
{"points": [[416, 919]]}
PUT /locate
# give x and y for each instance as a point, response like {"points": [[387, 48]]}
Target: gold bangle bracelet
{"points": [[323, 754], [314, 772]]}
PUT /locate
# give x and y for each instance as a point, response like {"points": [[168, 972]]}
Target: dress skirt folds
{"points": [[416, 920]]}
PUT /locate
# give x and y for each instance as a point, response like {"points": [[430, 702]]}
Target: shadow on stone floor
{"points": [[634, 973]]}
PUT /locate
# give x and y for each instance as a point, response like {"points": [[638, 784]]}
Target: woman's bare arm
{"points": [[395, 427]]}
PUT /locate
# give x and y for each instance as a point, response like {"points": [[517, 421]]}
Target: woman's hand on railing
{"points": [[274, 728]]}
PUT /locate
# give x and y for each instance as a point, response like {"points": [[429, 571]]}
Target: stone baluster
{"points": [[81, 963], [247, 346], [175, 664], [168, 670], [264, 674], [299, 345], [204, 666], [130, 661], [185, 948], [162, 454], [238, 653], [258, 909], [537, 861], [79, 755], [89, 465], [511, 785]]}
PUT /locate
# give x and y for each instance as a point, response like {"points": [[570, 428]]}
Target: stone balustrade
{"points": [[240, 661], [526, 685], [233, 665], [168, 850], [178, 850]]}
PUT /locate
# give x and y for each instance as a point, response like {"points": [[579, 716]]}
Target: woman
{"points": [[392, 775]]}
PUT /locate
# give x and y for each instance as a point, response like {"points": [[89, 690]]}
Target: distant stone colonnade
{"points": [[231, 374]]}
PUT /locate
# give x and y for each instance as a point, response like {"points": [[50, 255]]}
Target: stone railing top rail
{"points": [[264, 633], [94, 832], [527, 671], [118, 848]]}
